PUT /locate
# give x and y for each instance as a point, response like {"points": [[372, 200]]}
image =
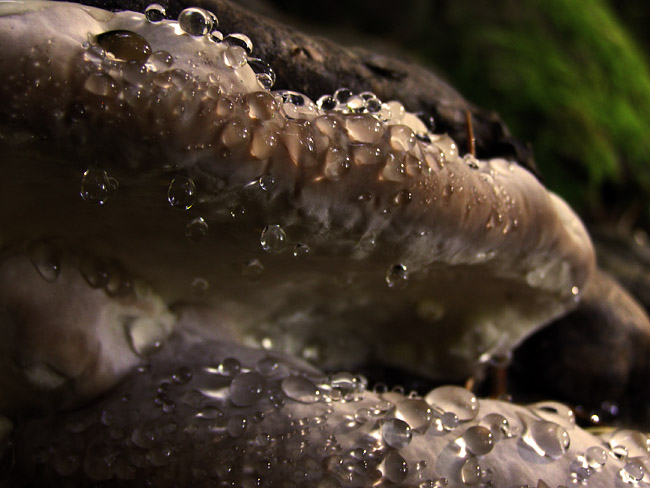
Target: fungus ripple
{"points": [[152, 181]]}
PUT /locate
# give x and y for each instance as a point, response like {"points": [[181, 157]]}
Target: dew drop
{"points": [[46, 259], [181, 193], [144, 336], [595, 457], [395, 467], [396, 433], [470, 471], [300, 250], [342, 95], [97, 186], [125, 45], [454, 399], [631, 442], [263, 72], [155, 13], [273, 238], [479, 440], [253, 268], [364, 129], [397, 277], [101, 84], [449, 421], [196, 230], [497, 424], [234, 57], [326, 102], [633, 472], [247, 389], [554, 412], [546, 438], [195, 21], [241, 40], [415, 412], [261, 105], [300, 389], [161, 60], [337, 163], [237, 426], [230, 367], [267, 366]]}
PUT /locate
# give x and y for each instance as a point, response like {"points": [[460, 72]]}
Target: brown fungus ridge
{"points": [[332, 236]]}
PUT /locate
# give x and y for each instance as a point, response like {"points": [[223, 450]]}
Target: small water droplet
{"points": [[234, 57], [454, 399], [101, 84], [263, 72], [241, 40], [247, 389], [396, 433], [182, 375], [46, 259], [300, 250], [470, 471], [161, 60], [395, 467], [273, 238], [300, 389], [498, 425], [449, 421], [155, 13], [97, 186], [546, 438], [253, 269], [595, 457], [479, 440], [125, 45], [237, 426], [195, 21], [342, 95], [230, 367], [397, 277], [181, 193], [196, 230], [267, 366], [633, 471], [326, 102]]}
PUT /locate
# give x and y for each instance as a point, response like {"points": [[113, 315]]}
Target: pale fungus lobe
{"points": [[425, 259]]}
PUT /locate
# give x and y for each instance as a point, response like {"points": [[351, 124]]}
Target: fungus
{"points": [[148, 168]]}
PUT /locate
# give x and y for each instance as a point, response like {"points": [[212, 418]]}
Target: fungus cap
{"points": [[334, 235]]}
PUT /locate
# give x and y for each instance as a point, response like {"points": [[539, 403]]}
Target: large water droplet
{"points": [[364, 129], [234, 57], [633, 472], [97, 186], [397, 277], [247, 389], [195, 21], [241, 40], [396, 433], [415, 412], [273, 238], [125, 45], [454, 399], [300, 389], [181, 193], [155, 13], [546, 438], [46, 259]]}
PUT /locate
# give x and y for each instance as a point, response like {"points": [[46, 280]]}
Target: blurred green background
{"points": [[570, 76]]}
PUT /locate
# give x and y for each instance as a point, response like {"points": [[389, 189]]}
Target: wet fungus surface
{"points": [[165, 210]]}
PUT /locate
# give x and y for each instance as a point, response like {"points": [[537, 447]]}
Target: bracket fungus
{"points": [[152, 181]]}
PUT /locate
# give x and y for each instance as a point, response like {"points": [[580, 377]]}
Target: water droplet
{"points": [[633, 472], [402, 197], [241, 40], [161, 60], [247, 389], [155, 13], [415, 412], [454, 399], [196, 230], [300, 389], [144, 335], [402, 138], [195, 21], [397, 277], [97, 186], [342, 95], [337, 163], [230, 367], [631, 442], [470, 471], [364, 129], [595, 457], [209, 412], [478, 440], [498, 425], [546, 438], [267, 366], [182, 375], [234, 57], [300, 250], [181, 193], [273, 238], [554, 412], [395, 467], [101, 84], [125, 45], [449, 421], [326, 102], [46, 259], [396, 433], [237, 425], [253, 269], [263, 72]]}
